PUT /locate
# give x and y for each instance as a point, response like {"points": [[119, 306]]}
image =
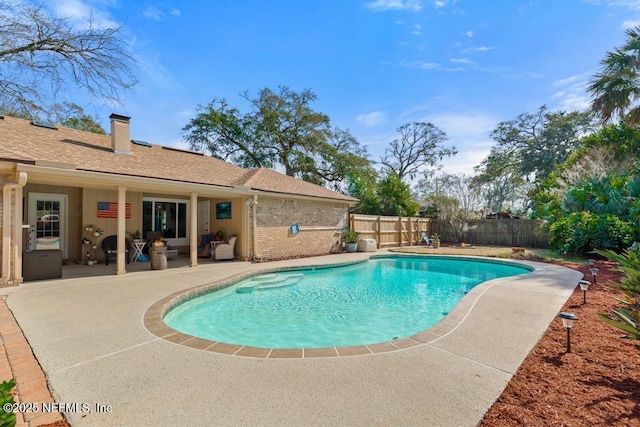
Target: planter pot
{"points": [[436, 244], [352, 247], [158, 257]]}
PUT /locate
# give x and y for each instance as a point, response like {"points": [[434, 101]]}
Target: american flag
{"points": [[110, 210]]}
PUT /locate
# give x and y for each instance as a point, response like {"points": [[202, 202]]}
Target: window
{"points": [[167, 216]]}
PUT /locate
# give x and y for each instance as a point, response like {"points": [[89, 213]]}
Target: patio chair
{"points": [[225, 250], [204, 245], [427, 241], [110, 248]]}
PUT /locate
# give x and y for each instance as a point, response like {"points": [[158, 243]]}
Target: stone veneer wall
{"points": [[320, 226]]}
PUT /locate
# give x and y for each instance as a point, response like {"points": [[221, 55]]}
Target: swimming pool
{"points": [[380, 300]]}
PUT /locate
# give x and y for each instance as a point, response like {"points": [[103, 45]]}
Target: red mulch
{"points": [[597, 384]]}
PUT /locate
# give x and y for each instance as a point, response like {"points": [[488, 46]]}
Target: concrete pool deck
{"points": [[88, 335]]}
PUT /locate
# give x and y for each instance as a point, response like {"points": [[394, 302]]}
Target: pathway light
{"points": [[594, 272], [584, 285], [567, 322], [591, 262]]}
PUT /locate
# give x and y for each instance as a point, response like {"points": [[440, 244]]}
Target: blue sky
{"points": [[374, 65]]}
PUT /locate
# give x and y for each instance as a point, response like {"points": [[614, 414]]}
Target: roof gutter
{"points": [[7, 190]]}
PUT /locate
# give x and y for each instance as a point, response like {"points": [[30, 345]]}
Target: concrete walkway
{"points": [[89, 337]]}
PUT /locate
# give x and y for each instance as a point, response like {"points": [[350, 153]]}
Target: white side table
{"points": [[137, 250]]}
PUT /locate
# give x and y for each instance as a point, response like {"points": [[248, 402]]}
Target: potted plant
{"points": [[136, 236], [435, 239], [350, 238]]}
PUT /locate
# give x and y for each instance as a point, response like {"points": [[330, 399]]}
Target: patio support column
{"points": [[10, 224], [193, 231], [120, 262]]}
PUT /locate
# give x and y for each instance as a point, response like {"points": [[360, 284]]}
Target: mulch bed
{"points": [[597, 384]]}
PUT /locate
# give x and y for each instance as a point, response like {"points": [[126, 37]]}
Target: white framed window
{"points": [[168, 216]]}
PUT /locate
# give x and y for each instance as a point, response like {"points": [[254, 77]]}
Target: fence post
{"points": [[378, 231]]}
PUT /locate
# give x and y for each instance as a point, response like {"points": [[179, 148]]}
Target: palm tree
{"points": [[616, 87]]}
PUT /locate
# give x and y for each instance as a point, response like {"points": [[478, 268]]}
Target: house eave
{"points": [[100, 180]]}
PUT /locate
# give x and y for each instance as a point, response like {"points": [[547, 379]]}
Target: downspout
{"points": [[7, 225], [254, 203]]}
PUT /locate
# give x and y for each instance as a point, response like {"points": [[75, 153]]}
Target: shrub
{"points": [[7, 418], [627, 317], [583, 232]]}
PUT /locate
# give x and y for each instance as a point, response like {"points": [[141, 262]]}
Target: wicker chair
{"points": [[110, 248], [225, 250]]}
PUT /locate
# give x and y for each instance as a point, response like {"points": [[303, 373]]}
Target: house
{"points": [[57, 181]]}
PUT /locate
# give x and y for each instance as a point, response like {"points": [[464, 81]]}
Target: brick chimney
{"points": [[120, 134]]}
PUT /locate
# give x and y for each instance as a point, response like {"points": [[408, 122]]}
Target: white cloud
{"points": [[461, 61], [160, 75], [153, 13], [468, 33], [417, 30], [630, 4], [572, 93], [627, 24], [81, 12], [439, 3], [175, 12], [422, 65], [477, 49], [371, 119], [383, 5], [470, 133]]}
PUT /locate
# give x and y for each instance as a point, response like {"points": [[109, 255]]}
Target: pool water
{"points": [[365, 303]]}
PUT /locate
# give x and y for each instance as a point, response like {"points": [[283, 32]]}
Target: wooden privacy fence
{"points": [[389, 231], [501, 232]]}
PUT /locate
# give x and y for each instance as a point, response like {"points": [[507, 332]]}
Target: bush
{"points": [[582, 232], [627, 317], [7, 418]]}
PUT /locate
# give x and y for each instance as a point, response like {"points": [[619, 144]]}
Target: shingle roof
{"points": [[22, 142]]}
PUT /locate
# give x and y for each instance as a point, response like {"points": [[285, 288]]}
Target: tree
{"points": [[503, 186], [282, 130], [42, 55], [616, 87], [420, 145], [363, 185], [395, 197], [73, 116], [529, 148]]}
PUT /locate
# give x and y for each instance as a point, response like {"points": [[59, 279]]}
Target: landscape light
{"points": [[593, 272], [567, 322], [591, 262], [584, 285]]}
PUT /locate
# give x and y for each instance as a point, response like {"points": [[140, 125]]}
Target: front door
{"points": [[48, 221], [204, 215]]}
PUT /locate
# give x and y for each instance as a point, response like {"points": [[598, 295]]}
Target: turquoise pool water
{"points": [[366, 303]]}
